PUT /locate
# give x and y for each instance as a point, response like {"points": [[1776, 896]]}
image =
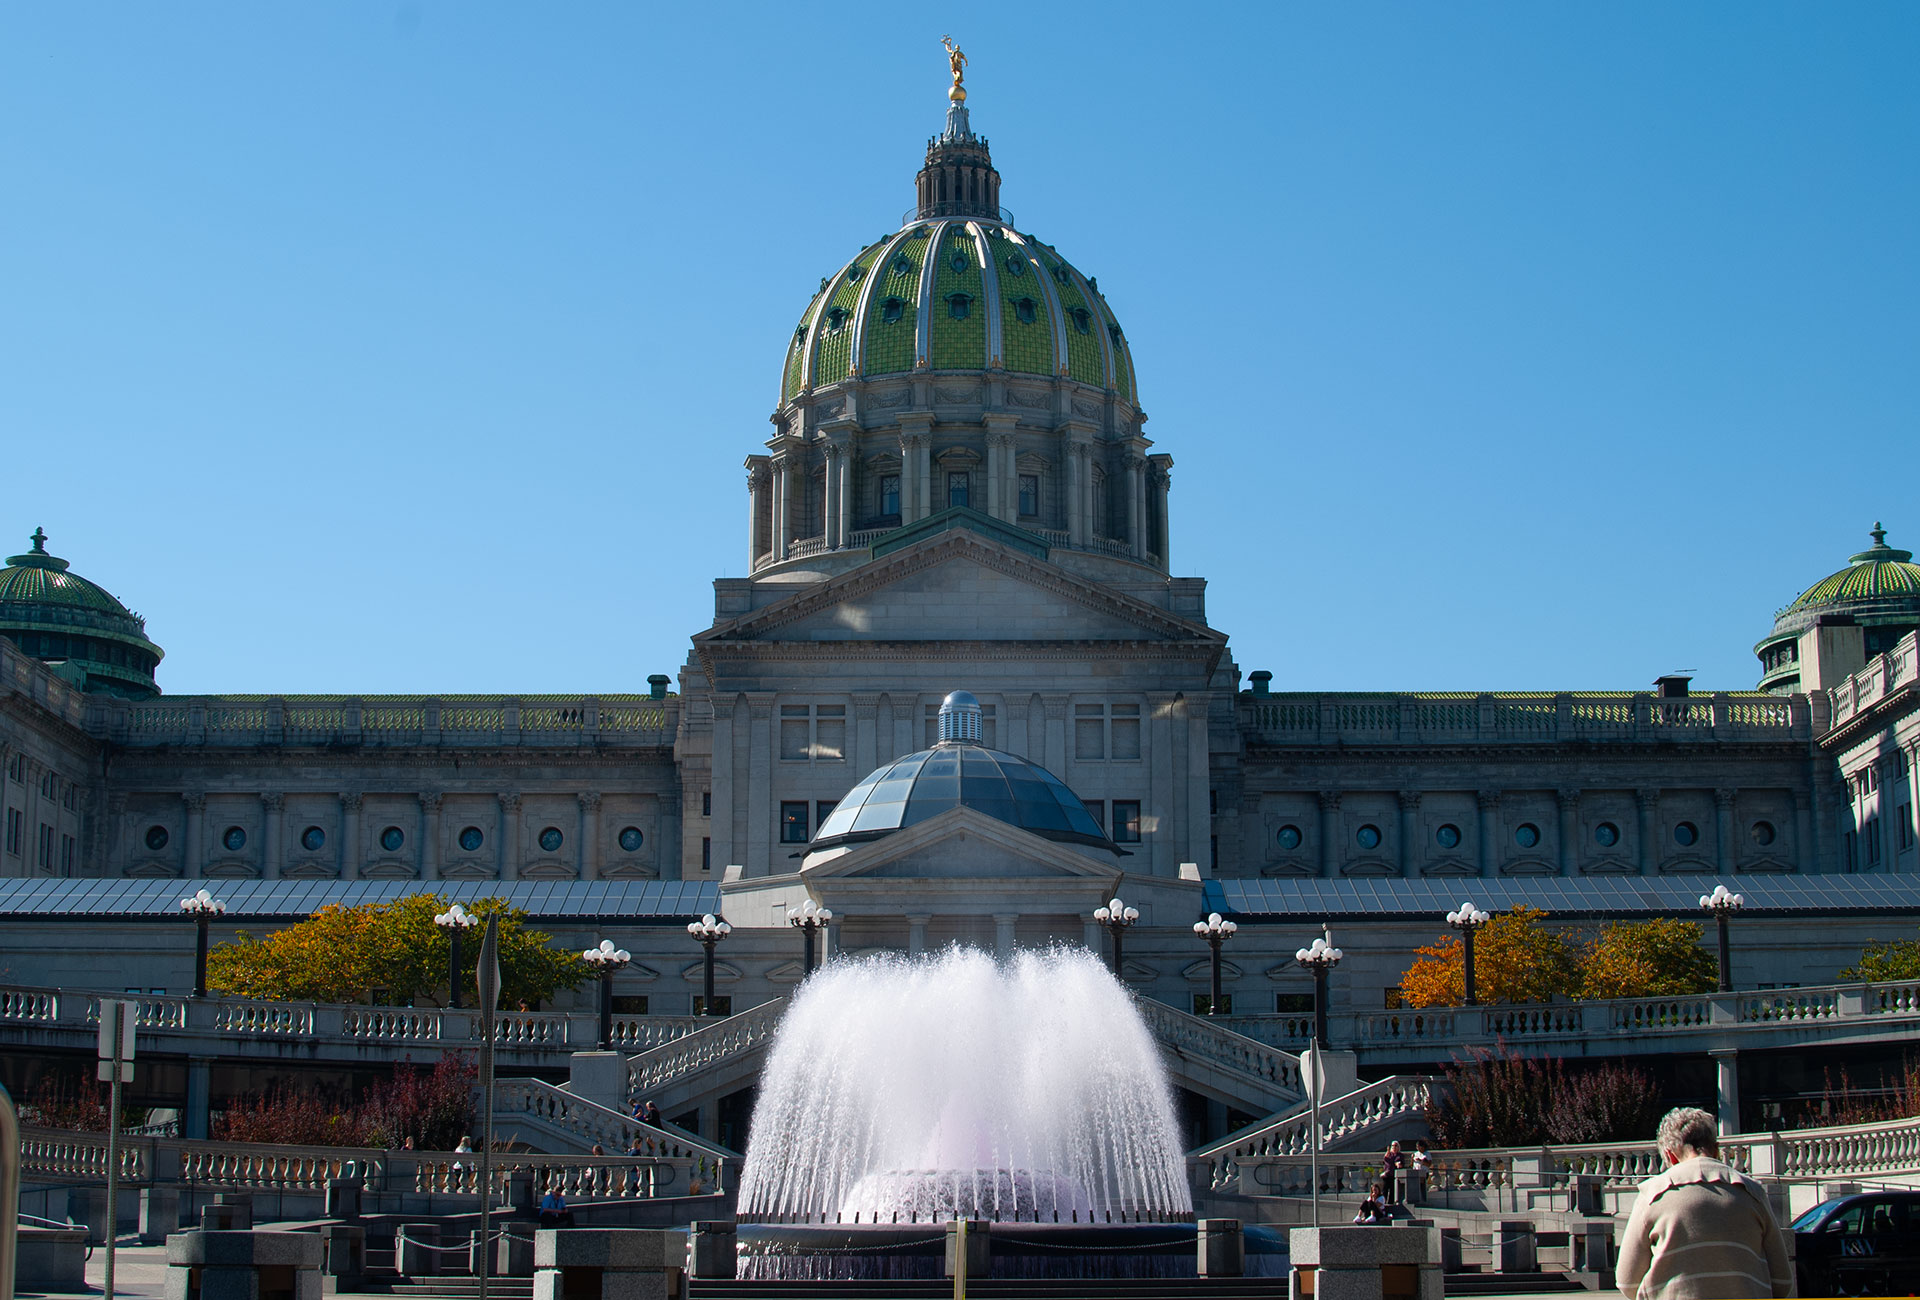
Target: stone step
{"points": [[1013, 1288], [1545, 1282]]}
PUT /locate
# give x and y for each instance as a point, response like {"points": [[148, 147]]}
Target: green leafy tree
{"points": [[343, 954], [1887, 959], [1647, 959]]}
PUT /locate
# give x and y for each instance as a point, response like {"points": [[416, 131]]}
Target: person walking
{"points": [[1700, 1230], [1390, 1166], [1419, 1169]]}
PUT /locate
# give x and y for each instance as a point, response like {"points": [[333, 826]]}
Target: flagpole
{"points": [[488, 978]]}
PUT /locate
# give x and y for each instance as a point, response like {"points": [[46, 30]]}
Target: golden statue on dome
{"points": [[958, 62]]}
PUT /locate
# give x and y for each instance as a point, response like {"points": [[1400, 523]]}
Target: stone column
{"points": [[1890, 791], [1003, 933], [1056, 753], [430, 835], [1723, 854], [1803, 831], [1649, 805], [1329, 826], [1726, 1073], [273, 853], [508, 853], [589, 835], [759, 793], [1913, 797], [1003, 494], [916, 438], [1159, 483], [793, 496], [865, 738], [1569, 830], [843, 497], [1409, 813], [1079, 488], [720, 825], [350, 855], [917, 932], [1136, 502], [194, 848], [759, 482], [1489, 803], [113, 859]]}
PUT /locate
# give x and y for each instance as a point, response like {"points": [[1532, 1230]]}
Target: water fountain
{"points": [[901, 1094]]}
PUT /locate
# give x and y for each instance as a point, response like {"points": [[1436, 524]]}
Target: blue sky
{"points": [[416, 346]]}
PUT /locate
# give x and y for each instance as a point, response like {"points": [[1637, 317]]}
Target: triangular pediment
{"points": [[964, 843], [958, 586]]}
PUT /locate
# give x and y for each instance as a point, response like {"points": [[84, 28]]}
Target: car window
{"points": [[1810, 1221], [1886, 1216], [1847, 1220]]}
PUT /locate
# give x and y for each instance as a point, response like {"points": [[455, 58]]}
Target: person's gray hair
{"points": [[1688, 1128]]}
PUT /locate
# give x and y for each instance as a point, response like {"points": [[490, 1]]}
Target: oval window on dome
{"points": [[1367, 837], [392, 838], [1113, 332], [1606, 835], [234, 839], [1526, 835], [836, 318], [1762, 833], [1082, 319], [1016, 266], [471, 839], [1025, 309], [1448, 836], [958, 261], [631, 839], [1685, 834], [156, 838], [1288, 837], [891, 310], [313, 839], [551, 839], [856, 273], [901, 266], [959, 305]]}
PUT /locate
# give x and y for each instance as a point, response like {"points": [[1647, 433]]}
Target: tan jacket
{"points": [[1702, 1231]]}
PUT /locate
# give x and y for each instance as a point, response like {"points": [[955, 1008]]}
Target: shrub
{"points": [[1605, 1103], [433, 1107], [1497, 1099]]}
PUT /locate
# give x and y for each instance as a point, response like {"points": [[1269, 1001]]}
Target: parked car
{"points": [[1860, 1245]]}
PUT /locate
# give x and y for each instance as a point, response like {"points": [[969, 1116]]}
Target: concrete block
{"points": [[512, 1250], [87, 1206], [979, 1248], [416, 1250], [50, 1259], [243, 1266], [1221, 1248], [343, 1250], [1355, 1246], [713, 1249], [343, 1198], [607, 1264], [599, 1077], [1515, 1249], [159, 1214]]}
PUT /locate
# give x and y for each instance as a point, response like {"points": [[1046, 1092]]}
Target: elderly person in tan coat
{"points": [[1702, 1229]]}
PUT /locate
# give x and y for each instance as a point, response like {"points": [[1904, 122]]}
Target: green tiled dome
{"points": [[1877, 573], [957, 295], [60, 617]]}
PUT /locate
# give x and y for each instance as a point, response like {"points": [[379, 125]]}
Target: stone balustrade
{"points": [[667, 1064], [384, 721], [1897, 669], [536, 1103], [1246, 1065], [1296, 719], [24, 675], [1344, 1122]]}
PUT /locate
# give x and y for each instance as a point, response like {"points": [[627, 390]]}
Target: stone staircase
{"points": [[1009, 1288]]}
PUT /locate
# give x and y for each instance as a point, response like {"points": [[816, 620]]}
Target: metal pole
{"points": [[806, 935], [1213, 1008], [1726, 953], [606, 1008], [120, 1010], [1313, 1123], [489, 983], [200, 957], [708, 945], [1471, 1000], [453, 968], [1116, 954], [1319, 1006], [9, 1190]]}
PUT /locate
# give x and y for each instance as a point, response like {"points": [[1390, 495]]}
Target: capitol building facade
{"points": [[960, 495]]}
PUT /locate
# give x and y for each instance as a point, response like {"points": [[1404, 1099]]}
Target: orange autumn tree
{"points": [[1648, 959], [1515, 959]]}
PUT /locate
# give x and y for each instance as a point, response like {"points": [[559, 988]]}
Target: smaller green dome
{"points": [[60, 617], [1878, 573]]}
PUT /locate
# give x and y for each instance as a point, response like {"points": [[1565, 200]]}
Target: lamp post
{"points": [[1467, 921], [1319, 957], [456, 921], [807, 918], [202, 907], [1723, 904], [1215, 931], [1115, 917], [709, 930], [606, 959]]}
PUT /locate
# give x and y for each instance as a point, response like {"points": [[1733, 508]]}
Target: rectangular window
{"points": [[13, 831], [1293, 1004], [823, 809], [1125, 725], [1906, 826], [958, 482], [70, 797], [1029, 494], [1103, 731], [816, 732], [17, 768], [629, 1004], [1847, 857], [46, 846], [1126, 821], [722, 1004], [1098, 807], [890, 494], [706, 803], [793, 822], [1870, 835], [1203, 1004], [706, 853], [1396, 998], [67, 847]]}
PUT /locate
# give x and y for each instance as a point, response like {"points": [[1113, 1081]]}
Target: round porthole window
{"points": [[1606, 835], [471, 839], [392, 838], [1367, 837], [1686, 833], [312, 839], [1762, 833], [1526, 835], [235, 839], [551, 839], [1448, 836], [1288, 837], [156, 838], [631, 839]]}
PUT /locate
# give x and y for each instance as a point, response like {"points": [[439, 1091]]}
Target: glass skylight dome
{"points": [[957, 772]]}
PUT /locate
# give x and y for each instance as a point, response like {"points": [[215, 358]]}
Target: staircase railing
{"points": [[589, 1122], [671, 1062], [1274, 1071], [1344, 1121]]}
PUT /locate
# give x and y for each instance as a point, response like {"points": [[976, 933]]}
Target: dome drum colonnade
{"points": [[957, 362]]}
